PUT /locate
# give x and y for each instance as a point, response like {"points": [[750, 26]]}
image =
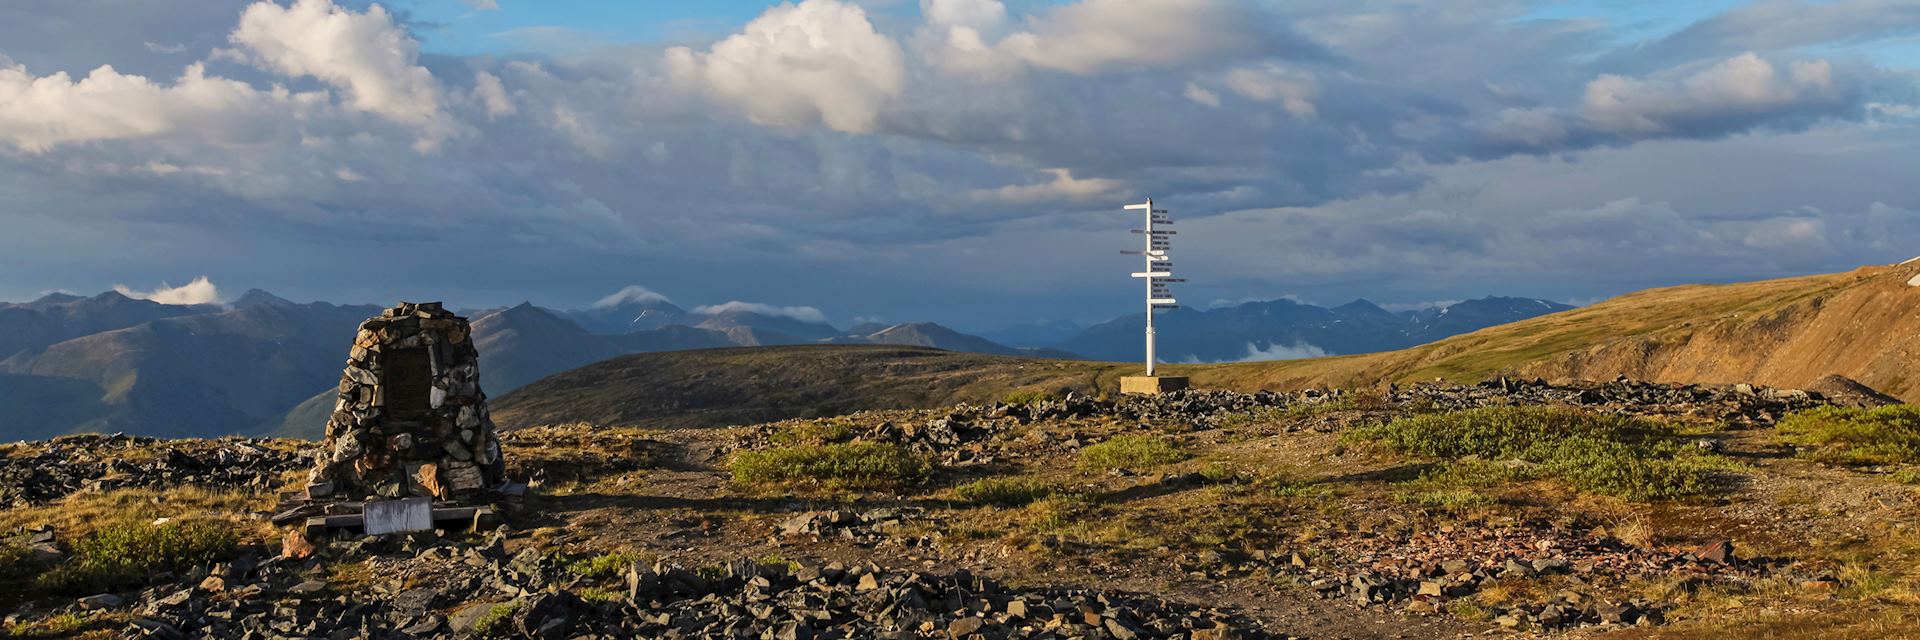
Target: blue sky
{"points": [[463, 30], [953, 160]]}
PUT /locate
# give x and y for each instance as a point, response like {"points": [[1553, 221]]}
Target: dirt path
{"points": [[685, 509]]}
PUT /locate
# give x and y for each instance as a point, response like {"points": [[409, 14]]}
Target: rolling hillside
{"points": [[1863, 324], [717, 387]]}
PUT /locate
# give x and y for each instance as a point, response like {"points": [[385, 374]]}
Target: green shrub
{"points": [[599, 595], [1006, 492], [131, 554], [1059, 511], [1447, 500], [605, 564], [1130, 452], [498, 620], [848, 465], [16, 562], [813, 433], [1030, 396], [1861, 437], [776, 560], [1221, 472], [1473, 473], [1630, 458], [64, 625]]}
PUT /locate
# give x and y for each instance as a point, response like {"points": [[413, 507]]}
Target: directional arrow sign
{"points": [[1152, 274]]}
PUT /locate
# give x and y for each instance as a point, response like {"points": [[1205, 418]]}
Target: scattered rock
{"points": [[102, 601], [1717, 552]]}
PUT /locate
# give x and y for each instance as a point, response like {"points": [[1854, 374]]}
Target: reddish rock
{"points": [[1717, 552]]}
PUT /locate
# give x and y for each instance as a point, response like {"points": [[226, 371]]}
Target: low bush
{"points": [[1005, 492], [1030, 396], [1472, 473], [1859, 437], [496, 621], [813, 433], [605, 564], [63, 625], [777, 560], [1130, 452], [1446, 500], [16, 563], [1221, 472], [840, 465], [600, 595], [131, 554], [1059, 512], [1629, 458]]}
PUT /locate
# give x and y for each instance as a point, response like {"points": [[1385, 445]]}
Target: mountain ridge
{"points": [[1863, 324]]}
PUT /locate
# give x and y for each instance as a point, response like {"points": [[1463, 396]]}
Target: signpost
{"points": [[1159, 276]]}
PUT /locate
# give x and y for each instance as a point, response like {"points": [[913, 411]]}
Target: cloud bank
{"points": [[1296, 351], [959, 158], [803, 314], [200, 291], [630, 294]]}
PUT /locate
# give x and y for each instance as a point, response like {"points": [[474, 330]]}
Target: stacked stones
{"points": [[411, 419]]}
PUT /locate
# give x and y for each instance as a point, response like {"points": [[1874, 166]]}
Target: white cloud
{"points": [[1089, 37], [482, 5], [1293, 89], [632, 293], [1419, 306], [803, 314], [1202, 96], [1787, 233], [1219, 303], [1094, 36], [820, 60], [1529, 126], [972, 14], [1741, 86], [1063, 187], [1276, 351], [492, 95], [583, 134], [200, 291], [367, 55], [958, 36], [40, 113]]}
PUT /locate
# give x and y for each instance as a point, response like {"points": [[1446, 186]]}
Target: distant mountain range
{"points": [[1285, 329], [263, 364], [165, 370]]}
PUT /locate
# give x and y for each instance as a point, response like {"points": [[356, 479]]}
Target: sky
{"points": [[963, 161]]}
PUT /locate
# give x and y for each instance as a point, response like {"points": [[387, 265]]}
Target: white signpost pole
{"points": [[1158, 274]]}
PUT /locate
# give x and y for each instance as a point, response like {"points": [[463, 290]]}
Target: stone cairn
{"points": [[411, 420]]}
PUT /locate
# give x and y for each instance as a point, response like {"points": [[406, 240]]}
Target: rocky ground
{"points": [[1266, 519], [60, 467]]}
